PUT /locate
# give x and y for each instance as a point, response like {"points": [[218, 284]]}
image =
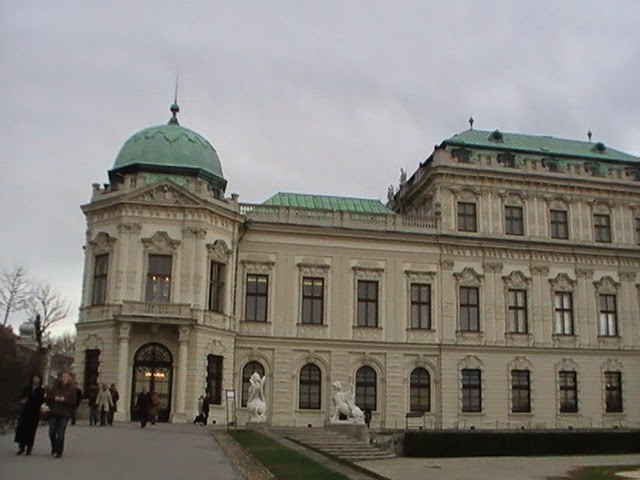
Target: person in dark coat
{"points": [[206, 402], [367, 417], [115, 396], [92, 396], [143, 405], [61, 400], [78, 401], [32, 398]]}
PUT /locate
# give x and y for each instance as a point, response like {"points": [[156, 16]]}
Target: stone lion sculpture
{"points": [[256, 402], [343, 402]]}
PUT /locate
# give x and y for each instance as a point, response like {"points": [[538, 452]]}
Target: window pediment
{"points": [[469, 277], [516, 279], [160, 242], [562, 282], [103, 243], [470, 362], [606, 285], [219, 250]]}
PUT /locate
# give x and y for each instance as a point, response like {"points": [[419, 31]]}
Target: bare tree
{"points": [[46, 308], [14, 292], [64, 344]]}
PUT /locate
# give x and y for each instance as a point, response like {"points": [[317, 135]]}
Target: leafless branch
{"points": [[49, 305], [14, 292]]}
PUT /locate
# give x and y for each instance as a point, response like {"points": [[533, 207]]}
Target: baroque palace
{"points": [[496, 288]]}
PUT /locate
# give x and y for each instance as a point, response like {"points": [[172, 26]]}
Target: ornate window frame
{"points": [[568, 365], [514, 199], [258, 267], [558, 203], [562, 283], [468, 277], [370, 273], [425, 278], [607, 286], [601, 207], [314, 270], [102, 244], [466, 195], [613, 365], [219, 251], [160, 243], [472, 362], [520, 363], [517, 280]]}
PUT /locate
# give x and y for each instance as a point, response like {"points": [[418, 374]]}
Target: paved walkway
{"points": [[490, 468], [122, 452]]}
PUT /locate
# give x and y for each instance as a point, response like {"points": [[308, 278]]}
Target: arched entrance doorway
{"points": [[153, 371]]}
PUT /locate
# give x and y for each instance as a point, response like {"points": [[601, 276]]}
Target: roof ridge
{"points": [[324, 195]]}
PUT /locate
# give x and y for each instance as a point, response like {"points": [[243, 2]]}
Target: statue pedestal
{"points": [[357, 431]]}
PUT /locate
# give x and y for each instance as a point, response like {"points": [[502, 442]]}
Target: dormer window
{"points": [[599, 147], [496, 136]]}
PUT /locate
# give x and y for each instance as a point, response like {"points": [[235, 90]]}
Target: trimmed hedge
{"points": [[482, 443]]}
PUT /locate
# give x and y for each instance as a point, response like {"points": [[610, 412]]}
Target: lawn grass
{"points": [[282, 462], [604, 472]]}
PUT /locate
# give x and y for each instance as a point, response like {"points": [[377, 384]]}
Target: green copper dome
{"points": [[170, 149]]}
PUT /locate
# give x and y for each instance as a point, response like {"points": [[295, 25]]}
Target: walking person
{"points": [[142, 407], [61, 400], [115, 396], [154, 403], [92, 396], [78, 401], [200, 417], [104, 403], [31, 398], [205, 408]]}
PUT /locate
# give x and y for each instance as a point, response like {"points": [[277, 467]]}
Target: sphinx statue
{"points": [[256, 403], [343, 403]]}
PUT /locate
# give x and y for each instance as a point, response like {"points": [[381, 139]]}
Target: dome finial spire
{"points": [[174, 106]]}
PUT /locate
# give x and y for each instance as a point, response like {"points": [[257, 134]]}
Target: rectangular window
{"points": [[100, 270], [214, 378], [158, 279], [367, 303], [256, 298], [602, 228], [559, 224], [467, 217], [471, 390], [216, 286], [421, 306], [469, 309], [637, 231], [608, 325], [563, 313], [91, 368], [613, 392], [568, 392], [517, 311], [312, 300], [520, 391], [513, 221]]}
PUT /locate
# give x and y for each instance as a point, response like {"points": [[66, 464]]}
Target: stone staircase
{"points": [[333, 443]]}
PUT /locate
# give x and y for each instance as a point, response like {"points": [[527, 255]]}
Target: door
{"points": [[153, 373]]}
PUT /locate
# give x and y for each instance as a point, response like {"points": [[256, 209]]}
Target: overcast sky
{"points": [[328, 97]]}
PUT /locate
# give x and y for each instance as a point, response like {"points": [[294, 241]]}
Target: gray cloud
{"points": [[321, 97]]}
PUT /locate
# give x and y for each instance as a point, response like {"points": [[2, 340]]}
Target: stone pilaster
{"points": [[179, 415], [124, 334]]}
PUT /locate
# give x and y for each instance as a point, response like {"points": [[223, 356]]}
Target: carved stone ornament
{"points": [[470, 361], [540, 270], [124, 331], [612, 365], [197, 232], [606, 285], [343, 403], [312, 270], [368, 273], [160, 241], [562, 282], [258, 267], [256, 402], [446, 264], [167, 194], [469, 277], [219, 250], [520, 363], [420, 276], [492, 267], [516, 279], [133, 228], [584, 273], [102, 242], [627, 276], [566, 364]]}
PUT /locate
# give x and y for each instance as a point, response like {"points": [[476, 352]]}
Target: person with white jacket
{"points": [[104, 403]]}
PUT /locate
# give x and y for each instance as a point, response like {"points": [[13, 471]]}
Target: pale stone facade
{"points": [[421, 246]]}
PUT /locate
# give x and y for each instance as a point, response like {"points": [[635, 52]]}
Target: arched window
{"points": [[420, 390], [310, 387], [247, 371], [366, 386]]}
